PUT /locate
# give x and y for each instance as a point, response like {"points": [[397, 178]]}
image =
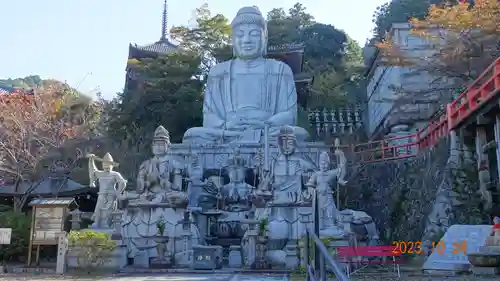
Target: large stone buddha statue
{"points": [[246, 93]]}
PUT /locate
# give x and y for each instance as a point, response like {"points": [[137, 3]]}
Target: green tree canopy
{"points": [[169, 94], [209, 38], [397, 11], [171, 86]]}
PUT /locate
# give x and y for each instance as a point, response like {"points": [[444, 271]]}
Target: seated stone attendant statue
{"points": [[248, 92]]}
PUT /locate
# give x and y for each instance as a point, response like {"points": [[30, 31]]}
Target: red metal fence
{"points": [[481, 92]]}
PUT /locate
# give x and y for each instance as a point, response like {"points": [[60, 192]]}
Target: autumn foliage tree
{"points": [[460, 41], [31, 127]]}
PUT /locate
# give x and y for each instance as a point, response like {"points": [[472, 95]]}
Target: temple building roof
{"points": [[5, 89], [162, 46], [46, 187]]}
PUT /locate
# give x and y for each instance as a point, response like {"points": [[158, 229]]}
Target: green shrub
{"points": [[20, 224], [92, 248]]}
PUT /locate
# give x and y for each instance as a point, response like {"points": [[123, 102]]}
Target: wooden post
{"points": [[62, 249], [497, 148], [483, 166], [32, 234], [317, 253]]}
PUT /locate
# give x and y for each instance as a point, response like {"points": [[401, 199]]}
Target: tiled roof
{"points": [[160, 47], [50, 186], [4, 90], [51, 201], [10, 90]]}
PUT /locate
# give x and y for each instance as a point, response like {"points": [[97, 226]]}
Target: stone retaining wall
{"points": [[399, 194]]}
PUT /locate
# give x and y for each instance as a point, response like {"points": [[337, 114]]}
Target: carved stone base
{"points": [[161, 264], [207, 257], [260, 258]]}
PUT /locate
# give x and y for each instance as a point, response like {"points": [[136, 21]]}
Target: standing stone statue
{"points": [[111, 184], [321, 181], [195, 180], [288, 167], [244, 94]]}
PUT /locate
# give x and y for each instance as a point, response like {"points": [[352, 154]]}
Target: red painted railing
{"points": [[481, 92]]}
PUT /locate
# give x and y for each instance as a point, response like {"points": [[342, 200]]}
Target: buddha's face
{"points": [[160, 147], [248, 41], [287, 145]]}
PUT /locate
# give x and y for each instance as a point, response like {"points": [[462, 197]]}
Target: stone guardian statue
{"points": [[246, 93], [111, 185], [321, 181]]}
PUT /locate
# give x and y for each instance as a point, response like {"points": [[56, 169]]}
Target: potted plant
{"points": [[263, 223], [160, 226], [161, 238]]}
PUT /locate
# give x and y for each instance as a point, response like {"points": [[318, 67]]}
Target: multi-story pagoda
{"points": [[291, 54], [163, 46]]}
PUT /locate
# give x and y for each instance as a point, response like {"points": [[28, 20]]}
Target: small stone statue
{"points": [[236, 192], [111, 185], [321, 181], [195, 180]]}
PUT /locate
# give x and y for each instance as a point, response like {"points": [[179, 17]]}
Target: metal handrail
{"points": [[321, 253]]}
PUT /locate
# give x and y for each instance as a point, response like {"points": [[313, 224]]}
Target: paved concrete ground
{"points": [[152, 277], [233, 277]]}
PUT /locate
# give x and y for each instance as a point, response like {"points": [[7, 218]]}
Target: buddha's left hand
{"points": [[244, 124]]}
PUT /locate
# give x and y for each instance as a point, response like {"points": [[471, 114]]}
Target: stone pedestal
{"points": [[116, 218], [141, 259], [292, 259], [207, 257], [260, 254], [76, 219], [485, 271], [235, 257], [251, 248], [302, 251], [160, 264], [185, 257]]}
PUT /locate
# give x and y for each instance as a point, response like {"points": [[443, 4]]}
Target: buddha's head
{"points": [[324, 161], [249, 33], [287, 141], [161, 141]]}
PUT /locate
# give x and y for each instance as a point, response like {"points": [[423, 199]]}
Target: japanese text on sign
{"points": [[5, 236]]}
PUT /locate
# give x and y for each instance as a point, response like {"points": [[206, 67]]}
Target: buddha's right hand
{"points": [[235, 125]]}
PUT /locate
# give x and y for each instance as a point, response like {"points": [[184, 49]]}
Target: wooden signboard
{"points": [[47, 224]]}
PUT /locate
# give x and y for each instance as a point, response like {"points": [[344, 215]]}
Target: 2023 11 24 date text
{"points": [[415, 247]]}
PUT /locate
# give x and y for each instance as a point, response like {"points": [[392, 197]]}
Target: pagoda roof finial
{"points": [[164, 24]]}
